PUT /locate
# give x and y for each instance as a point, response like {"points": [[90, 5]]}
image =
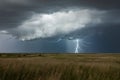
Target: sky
{"points": [[59, 26]]}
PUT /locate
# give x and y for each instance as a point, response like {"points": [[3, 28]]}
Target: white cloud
{"points": [[4, 32], [57, 23]]}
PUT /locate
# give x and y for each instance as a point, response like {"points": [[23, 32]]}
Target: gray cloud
{"points": [[57, 23], [13, 13]]}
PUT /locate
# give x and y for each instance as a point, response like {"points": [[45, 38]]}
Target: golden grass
{"points": [[60, 67]]}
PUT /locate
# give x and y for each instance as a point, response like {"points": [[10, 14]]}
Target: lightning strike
{"points": [[77, 46]]}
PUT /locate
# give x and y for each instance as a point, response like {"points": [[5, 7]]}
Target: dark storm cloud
{"points": [[14, 12], [102, 39]]}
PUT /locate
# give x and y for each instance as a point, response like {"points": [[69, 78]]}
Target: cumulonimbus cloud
{"points": [[57, 23]]}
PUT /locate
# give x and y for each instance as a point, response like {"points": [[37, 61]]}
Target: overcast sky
{"points": [[59, 23]]}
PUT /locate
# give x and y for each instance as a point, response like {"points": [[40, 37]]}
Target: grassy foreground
{"points": [[59, 66]]}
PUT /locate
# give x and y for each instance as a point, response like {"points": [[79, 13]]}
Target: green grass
{"points": [[60, 67]]}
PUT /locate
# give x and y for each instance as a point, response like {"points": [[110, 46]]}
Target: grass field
{"points": [[59, 66]]}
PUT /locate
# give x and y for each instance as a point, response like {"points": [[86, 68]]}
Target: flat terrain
{"points": [[59, 66]]}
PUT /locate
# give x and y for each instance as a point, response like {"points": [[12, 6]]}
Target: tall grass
{"points": [[60, 71]]}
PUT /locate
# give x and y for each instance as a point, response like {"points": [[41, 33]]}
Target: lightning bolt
{"points": [[77, 46]]}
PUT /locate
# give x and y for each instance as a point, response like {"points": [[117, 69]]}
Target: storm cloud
{"points": [[57, 23], [26, 19]]}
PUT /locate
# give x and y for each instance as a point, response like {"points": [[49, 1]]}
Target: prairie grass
{"points": [[60, 67]]}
